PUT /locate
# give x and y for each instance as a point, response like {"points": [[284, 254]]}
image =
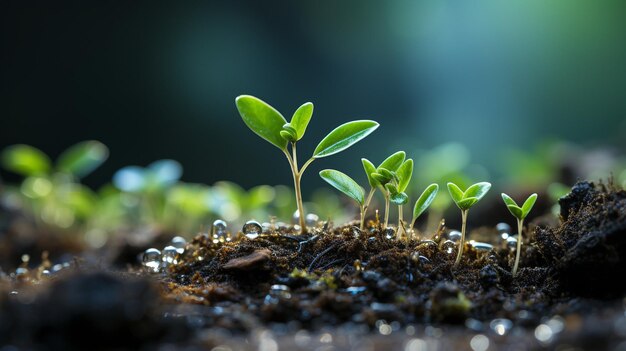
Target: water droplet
{"points": [[480, 246], [152, 260], [503, 228], [500, 325], [220, 231], [57, 267], [179, 243], [356, 290], [454, 235], [384, 329], [449, 247], [296, 217], [267, 227], [168, 256], [479, 343], [389, 233], [511, 242], [46, 273], [21, 272], [312, 219], [544, 334], [276, 293], [252, 229]]}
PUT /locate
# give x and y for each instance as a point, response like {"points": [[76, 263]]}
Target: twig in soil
{"points": [[320, 255], [302, 243], [332, 263]]}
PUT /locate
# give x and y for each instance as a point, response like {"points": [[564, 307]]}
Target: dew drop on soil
{"points": [[276, 293], [219, 230], [267, 227], [454, 235], [296, 217], [389, 233], [503, 228], [356, 290], [179, 243], [500, 326], [46, 273], [449, 247], [480, 246], [169, 255], [21, 272], [312, 219], [511, 242], [152, 260], [252, 229]]}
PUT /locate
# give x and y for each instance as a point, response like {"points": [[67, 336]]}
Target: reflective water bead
{"points": [[480, 246], [454, 235], [296, 217], [500, 325], [267, 227], [179, 243], [511, 242], [252, 229], [219, 231], [503, 228], [21, 272], [312, 219], [152, 260], [355, 290], [449, 247], [168, 256], [389, 233], [276, 293]]}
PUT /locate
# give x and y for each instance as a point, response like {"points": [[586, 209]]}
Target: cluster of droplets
{"points": [[504, 230], [155, 260]]}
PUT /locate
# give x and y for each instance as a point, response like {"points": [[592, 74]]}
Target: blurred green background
{"points": [[155, 80]]}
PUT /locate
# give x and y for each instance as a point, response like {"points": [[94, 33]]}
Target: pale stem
{"points": [[400, 226], [462, 242], [520, 227], [368, 200], [362, 217], [293, 162], [386, 209]]}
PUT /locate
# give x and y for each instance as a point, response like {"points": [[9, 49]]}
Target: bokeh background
{"points": [[158, 80]]}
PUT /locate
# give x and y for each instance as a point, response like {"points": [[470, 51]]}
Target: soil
{"points": [[345, 289]]}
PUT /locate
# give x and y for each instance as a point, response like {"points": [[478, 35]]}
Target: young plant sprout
{"points": [[348, 186], [520, 213], [423, 202], [269, 124], [465, 200], [381, 175], [395, 190]]}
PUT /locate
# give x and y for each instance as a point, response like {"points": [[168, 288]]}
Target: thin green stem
{"points": [[306, 164], [462, 242], [296, 184], [520, 228], [362, 217], [386, 209]]}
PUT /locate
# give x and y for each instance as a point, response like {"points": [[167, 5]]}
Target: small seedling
{"points": [[520, 213], [424, 201], [395, 190], [269, 124], [381, 175], [348, 186], [464, 201]]}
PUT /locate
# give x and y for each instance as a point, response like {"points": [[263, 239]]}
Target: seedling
{"points": [[395, 190], [424, 201], [464, 201], [381, 175], [269, 124], [348, 186], [520, 213]]}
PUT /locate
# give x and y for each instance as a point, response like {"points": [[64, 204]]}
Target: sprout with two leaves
{"points": [[379, 176], [423, 202], [520, 213], [464, 201], [348, 186], [395, 190], [269, 124]]}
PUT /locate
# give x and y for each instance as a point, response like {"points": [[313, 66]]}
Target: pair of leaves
{"points": [[517, 211], [424, 201], [78, 160], [345, 184], [269, 124], [466, 199], [384, 173]]}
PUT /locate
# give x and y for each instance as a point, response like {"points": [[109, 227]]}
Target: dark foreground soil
{"points": [[344, 289]]}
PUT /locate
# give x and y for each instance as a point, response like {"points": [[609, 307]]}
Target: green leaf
{"points": [[392, 188], [394, 161], [399, 198], [301, 118], [425, 200], [25, 160], [508, 200], [528, 205], [405, 172], [383, 176], [262, 119], [516, 211], [455, 192], [82, 158], [477, 190], [345, 184], [369, 170], [465, 204], [343, 137], [289, 133]]}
